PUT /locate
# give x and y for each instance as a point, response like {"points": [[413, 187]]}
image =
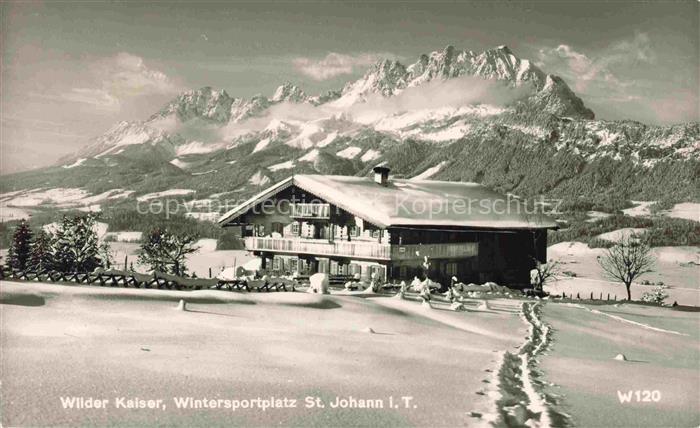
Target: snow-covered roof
{"points": [[410, 202]]}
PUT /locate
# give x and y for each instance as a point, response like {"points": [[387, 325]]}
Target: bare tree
{"points": [[626, 261], [543, 272]]}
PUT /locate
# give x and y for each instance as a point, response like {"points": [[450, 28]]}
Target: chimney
{"points": [[381, 175]]}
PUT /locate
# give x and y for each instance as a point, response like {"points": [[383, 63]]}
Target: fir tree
{"points": [[75, 247], [18, 254], [40, 256]]}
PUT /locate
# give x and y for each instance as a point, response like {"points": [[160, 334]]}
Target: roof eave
{"points": [[241, 209]]}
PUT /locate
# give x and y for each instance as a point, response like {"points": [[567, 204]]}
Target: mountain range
{"points": [[489, 117]]}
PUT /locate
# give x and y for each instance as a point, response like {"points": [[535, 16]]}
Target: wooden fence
{"points": [[158, 280]]}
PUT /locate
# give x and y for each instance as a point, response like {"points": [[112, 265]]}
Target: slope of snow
{"points": [[204, 216], [39, 197], [370, 155], [310, 156], [198, 147], [607, 137], [308, 135], [641, 209], [109, 194], [258, 179], [686, 210], [180, 164], [206, 245], [430, 171], [57, 198], [283, 165], [453, 132], [125, 134], [171, 192], [349, 152], [12, 213], [76, 163], [99, 228], [262, 144], [126, 236], [411, 118], [535, 131], [620, 234], [328, 140]]}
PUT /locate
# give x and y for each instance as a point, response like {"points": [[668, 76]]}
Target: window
{"points": [[295, 228], [403, 272], [354, 231], [293, 264], [452, 269], [277, 228]]}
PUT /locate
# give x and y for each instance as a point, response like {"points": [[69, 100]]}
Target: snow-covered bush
{"points": [[656, 295]]}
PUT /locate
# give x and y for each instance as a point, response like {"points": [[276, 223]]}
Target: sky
{"points": [[70, 71]]}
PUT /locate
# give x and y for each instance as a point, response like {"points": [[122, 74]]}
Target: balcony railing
{"points": [[320, 211], [434, 251], [365, 250], [362, 250]]}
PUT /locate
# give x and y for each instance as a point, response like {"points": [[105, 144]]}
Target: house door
{"points": [[323, 266], [380, 271]]}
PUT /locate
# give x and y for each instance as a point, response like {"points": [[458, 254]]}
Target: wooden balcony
{"points": [[364, 250], [311, 211], [435, 251], [360, 249]]}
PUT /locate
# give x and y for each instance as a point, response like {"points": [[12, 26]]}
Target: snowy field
{"points": [[199, 263], [676, 267], [685, 210], [662, 347], [105, 343]]}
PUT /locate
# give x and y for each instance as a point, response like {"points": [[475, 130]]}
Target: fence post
{"points": [[210, 272], [563, 295], [578, 296], [601, 295], [591, 295], [608, 297], [126, 260]]}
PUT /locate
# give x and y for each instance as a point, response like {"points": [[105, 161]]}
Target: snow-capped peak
{"points": [[204, 103], [288, 92], [386, 77]]}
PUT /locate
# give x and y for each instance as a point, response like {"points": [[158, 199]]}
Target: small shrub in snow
{"points": [[656, 295]]}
